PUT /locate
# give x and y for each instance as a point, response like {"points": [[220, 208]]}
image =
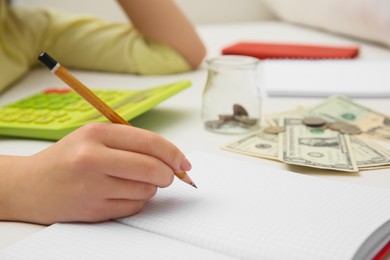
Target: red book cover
{"points": [[267, 50], [383, 253]]}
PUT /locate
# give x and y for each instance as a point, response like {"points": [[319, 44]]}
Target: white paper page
{"points": [[255, 212], [323, 78], [110, 240]]}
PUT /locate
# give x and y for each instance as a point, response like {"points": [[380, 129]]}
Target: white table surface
{"points": [[178, 119]]}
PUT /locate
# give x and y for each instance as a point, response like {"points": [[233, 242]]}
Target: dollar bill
{"points": [[318, 148], [369, 155], [257, 144], [339, 108], [374, 168]]}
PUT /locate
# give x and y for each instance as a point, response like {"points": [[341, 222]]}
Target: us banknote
{"points": [[338, 108], [257, 144], [368, 154], [318, 148]]}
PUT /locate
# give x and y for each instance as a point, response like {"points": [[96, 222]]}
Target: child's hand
{"points": [[99, 172]]}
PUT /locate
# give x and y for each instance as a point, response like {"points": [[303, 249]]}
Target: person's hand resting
{"points": [[99, 172]]}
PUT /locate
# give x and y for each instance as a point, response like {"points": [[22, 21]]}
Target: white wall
{"points": [[199, 11]]}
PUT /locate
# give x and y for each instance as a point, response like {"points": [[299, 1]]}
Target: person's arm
{"points": [[99, 172], [162, 21]]}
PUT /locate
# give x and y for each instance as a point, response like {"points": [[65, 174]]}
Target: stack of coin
{"points": [[315, 122], [240, 117], [342, 127], [274, 129], [345, 128]]}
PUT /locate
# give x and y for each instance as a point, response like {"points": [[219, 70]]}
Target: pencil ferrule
{"points": [[55, 68]]}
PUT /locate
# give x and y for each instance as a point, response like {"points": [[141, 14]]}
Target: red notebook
{"points": [[385, 252], [266, 50]]}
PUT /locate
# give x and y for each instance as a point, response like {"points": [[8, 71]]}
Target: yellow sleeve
{"points": [[91, 43], [81, 42]]}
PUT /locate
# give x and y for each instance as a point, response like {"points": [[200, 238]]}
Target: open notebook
{"points": [[323, 78], [241, 210]]}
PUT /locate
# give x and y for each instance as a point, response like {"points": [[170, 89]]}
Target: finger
{"points": [[134, 139], [135, 167]]}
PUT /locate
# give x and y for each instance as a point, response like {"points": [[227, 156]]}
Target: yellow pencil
{"points": [[94, 100]]}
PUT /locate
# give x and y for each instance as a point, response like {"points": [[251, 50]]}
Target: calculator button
{"points": [[38, 98], [41, 112], [108, 96], [27, 118], [64, 119], [58, 113], [10, 110], [43, 119], [10, 117], [85, 107], [40, 105], [55, 106], [73, 106], [27, 111], [25, 104], [69, 100], [54, 98]]}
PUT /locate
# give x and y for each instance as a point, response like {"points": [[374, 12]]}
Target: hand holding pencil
{"points": [[98, 172], [94, 100]]}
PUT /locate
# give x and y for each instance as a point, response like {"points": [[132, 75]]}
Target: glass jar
{"points": [[231, 97]]}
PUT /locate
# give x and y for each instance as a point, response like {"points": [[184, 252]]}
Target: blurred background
{"points": [[233, 10]]}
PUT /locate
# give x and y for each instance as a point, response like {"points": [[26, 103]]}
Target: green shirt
{"points": [[80, 42]]}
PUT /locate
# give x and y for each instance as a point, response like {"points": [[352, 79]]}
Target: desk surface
{"points": [[178, 119]]}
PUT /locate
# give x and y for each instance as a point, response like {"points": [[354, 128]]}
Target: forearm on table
{"points": [[11, 176], [163, 21]]}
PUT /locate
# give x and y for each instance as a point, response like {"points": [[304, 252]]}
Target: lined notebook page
{"points": [[240, 210], [250, 211], [110, 240]]}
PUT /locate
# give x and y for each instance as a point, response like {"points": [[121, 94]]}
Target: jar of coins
{"points": [[231, 97]]}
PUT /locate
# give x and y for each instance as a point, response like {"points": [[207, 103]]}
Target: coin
{"points": [[345, 128], [351, 130], [314, 121], [322, 127], [246, 120], [336, 125], [226, 118], [214, 124], [274, 129], [239, 110]]}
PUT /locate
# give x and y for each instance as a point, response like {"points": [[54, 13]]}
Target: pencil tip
{"points": [[184, 177]]}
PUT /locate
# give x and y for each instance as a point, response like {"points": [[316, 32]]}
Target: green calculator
{"points": [[55, 112]]}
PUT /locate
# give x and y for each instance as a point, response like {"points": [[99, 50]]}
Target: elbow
{"points": [[196, 55]]}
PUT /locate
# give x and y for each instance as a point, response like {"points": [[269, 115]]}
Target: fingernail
{"points": [[185, 165]]}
